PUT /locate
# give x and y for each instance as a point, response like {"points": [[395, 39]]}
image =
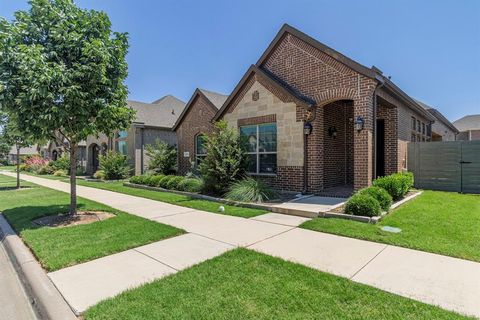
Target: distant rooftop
{"points": [[163, 112], [470, 122]]}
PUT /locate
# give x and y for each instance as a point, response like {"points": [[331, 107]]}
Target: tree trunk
{"points": [[18, 167], [73, 179]]}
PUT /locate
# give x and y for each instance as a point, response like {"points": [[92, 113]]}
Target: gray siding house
{"points": [[469, 127], [442, 129], [153, 121]]}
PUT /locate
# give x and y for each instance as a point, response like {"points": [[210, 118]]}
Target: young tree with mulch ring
{"points": [[62, 73]]}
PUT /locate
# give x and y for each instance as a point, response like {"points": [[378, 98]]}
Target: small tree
{"points": [[163, 157], [114, 166], [226, 161], [62, 73], [13, 137]]}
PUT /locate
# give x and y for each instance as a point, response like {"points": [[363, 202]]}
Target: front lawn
{"points": [[57, 248], [243, 284], [440, 222], [7, 168], [168, 197]]}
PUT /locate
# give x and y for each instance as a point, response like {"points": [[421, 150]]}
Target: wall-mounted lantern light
{"points": [[307, 128], [332, 132], [359, 124]]}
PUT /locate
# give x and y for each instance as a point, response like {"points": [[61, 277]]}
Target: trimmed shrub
{"points": [[397, 184], [362, 205], [250, 190], [154, 181], [174, 181], [114, 165], [139, 179], [45, 170], [382, 196], [62, 163], [190, 185], [164, 181], [60, 173], [100, 174]]}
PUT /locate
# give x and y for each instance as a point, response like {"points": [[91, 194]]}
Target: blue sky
{"points": [[430, 48]]}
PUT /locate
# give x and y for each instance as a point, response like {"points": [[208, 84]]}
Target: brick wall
{"points": [[196, 121], [320, 77], [389, 114]]}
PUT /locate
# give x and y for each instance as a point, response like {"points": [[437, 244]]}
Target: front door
{"points": [[380, 145], [95, 151]]}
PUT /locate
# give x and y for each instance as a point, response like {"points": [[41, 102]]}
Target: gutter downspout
{"points": [[375, 107], [142, 149]]}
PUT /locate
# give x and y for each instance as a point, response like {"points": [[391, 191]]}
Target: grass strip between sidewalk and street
{"points": [[244, 284], [58, 248]]}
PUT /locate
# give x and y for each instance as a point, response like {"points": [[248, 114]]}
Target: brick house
{"points": [[469, 127], [316, 121], [153, 121], [194, 122]]}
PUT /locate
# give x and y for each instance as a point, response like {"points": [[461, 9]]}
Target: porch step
{"points": [[295, 212]]}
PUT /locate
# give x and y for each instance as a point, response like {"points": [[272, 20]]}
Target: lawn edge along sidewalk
{"points": [[47, 300]]}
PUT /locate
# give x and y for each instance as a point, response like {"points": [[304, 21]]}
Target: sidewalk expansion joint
{"points": [[368, 262], [270, 237], [203, 236], [161, 262]]}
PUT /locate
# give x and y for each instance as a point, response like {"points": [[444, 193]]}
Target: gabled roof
{"points": [[438, 115], [470, 122], [214, 99], [162, 114], [254, 70], [373, 72]]}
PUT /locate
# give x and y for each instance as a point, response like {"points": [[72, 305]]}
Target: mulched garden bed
{"points": [[67, 220]]}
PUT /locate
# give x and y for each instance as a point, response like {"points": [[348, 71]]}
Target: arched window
{"points": [[200, 148]]}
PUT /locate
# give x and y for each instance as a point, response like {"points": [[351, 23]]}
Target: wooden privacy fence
{"points": [[448, 166]]}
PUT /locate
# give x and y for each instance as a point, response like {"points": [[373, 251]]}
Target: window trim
{"points": [[197, 155], [258, 153]]}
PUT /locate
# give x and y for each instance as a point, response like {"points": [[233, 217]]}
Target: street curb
{"points": [[48, 302]]}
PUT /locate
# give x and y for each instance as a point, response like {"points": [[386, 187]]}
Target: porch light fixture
{"points": [[359, 124], [307, 128], [332, 132]]}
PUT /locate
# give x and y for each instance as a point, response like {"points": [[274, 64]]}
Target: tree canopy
{"points": [[62, 73]]}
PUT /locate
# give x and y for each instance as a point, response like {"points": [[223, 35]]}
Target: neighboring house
{"points": [[25, 151], [442, 129], [53, 151], [153, 121], [317, 121], [194, 122], [469, 127]]}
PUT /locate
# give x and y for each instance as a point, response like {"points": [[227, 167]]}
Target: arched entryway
{"points": [[338, 145], [54, 155]]}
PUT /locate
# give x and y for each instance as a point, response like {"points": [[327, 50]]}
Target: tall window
{"points": [[419, 128], [200, 148], [262, 147], [122, 142], [414, 123]]}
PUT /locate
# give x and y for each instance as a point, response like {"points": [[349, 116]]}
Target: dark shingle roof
{"points": [[470, 122], [164, 113]]}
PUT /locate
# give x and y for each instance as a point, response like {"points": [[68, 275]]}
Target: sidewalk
{"points": [[450, 283]]}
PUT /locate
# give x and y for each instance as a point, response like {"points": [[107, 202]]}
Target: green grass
{"points": [[7, 168], [168, 197], [440, 222], [243, 284], [57, 248]]}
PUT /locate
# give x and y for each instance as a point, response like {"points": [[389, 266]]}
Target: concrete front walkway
{"points": [[451, 283]]}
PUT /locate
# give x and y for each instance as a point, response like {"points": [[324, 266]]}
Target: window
{"points": [[423, 128], [414, 123], [261, 147], [419, 128], [122, 142], [200, 148], [413, 138]]}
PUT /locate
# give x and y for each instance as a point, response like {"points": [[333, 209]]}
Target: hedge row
{"points": [[372, 200], [169, 182]]}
